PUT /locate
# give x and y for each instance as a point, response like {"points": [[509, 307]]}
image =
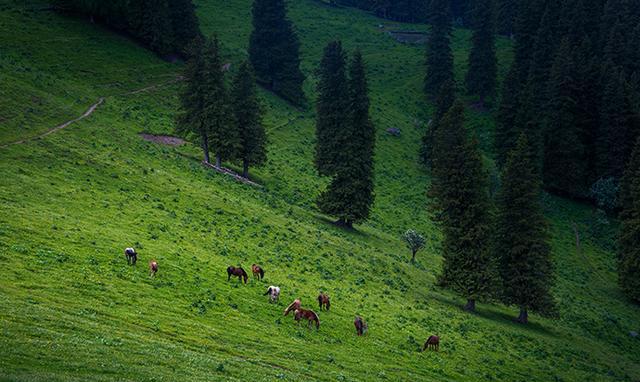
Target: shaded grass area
{"points": [[71, 309]]}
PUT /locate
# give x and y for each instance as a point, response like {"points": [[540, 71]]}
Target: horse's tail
{"points": [[261, 273]]}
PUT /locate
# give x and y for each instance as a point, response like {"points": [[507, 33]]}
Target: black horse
{"points": [[239, 272]]}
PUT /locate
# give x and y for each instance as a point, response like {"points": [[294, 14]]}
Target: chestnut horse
{"points": [[295, 305], [153, 268], [257, 271], [433, 342], [361, 326], [309, 315], [323, 301], [239, 272]]}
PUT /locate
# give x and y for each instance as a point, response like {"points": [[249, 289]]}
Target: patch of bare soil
{"points": [[163, 139]]}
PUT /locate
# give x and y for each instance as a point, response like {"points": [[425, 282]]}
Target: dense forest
{"points": [[166, 26]]}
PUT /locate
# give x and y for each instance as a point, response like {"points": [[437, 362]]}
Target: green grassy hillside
{"points": [[72, 310]]}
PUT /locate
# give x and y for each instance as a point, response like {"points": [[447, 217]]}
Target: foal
{"points": [[323, 301], [274, 294], [433, 342], [310, 315], [131, 255], [239, 272], [257, 271], [153, 268], [295, 305]]}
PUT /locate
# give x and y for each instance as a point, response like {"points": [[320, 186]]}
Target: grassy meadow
{"points": [[72, 310]]}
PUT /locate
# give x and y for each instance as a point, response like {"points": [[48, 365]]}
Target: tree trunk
{"points": [[218, 161], [470, 306], [413, 256], [245, 169], [523, 318], [205, 148], [344, 223]]}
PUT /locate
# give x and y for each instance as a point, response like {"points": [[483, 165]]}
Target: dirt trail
{"points": [[87, 113]]}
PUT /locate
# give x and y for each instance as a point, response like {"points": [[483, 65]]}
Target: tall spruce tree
{"points": [[331, 108], [507, 132], [248, 119], [522, 241], [565, 158], [190, 123], [461, 199], [155, 28], [629, 240], [184, 23], [506, 11], [350, 194], [445, 99], [483, 67], [274, 50], [439, 56], [224, 139]]}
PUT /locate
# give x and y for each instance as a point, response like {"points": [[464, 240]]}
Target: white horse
{"points": [[274, 293]]}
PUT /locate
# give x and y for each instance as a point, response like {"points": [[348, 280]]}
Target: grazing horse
{"points": [[323, 301], [239, 272], [295, 305], [274, 293], [361, 325], [257, 271], [131, 255], [153, 268], [309, 315], [433, 342]]}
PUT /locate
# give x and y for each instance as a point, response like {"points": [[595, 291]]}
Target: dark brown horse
{"points": [[295, 305], [323, 301], [239, 272], [361, 325], [257, 271], [310, 315], [433, 342], [153, 268]]}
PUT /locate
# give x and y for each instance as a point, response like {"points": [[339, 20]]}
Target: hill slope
{"points": [[71, 309]]}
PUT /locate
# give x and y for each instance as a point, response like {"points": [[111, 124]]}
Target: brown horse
{"points": [[153, 268], [239, 272], [295, 305], [361, 325], [257, 271], [309, 315], [433, 342], [323, 301]]}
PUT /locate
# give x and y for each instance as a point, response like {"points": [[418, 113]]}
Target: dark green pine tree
{"points": [[629, 240], [483, 67], [619, 123], [439, 56], [445, 99], [155, 28], [526, 27], [224, 139], [190, 123], [184, 23], [521, 238], [248, 119], [507, 132], [274, 50], [460, 195], [506, 11], [350, 194], [331, 109], [565, 158]]}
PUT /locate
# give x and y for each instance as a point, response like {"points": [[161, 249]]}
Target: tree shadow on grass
{"points": [[327, 222], [490, 313]]}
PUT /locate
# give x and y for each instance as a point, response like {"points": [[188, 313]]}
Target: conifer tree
{"points": [[483, 68], [439, 56], [445, 99], [629, 240], [461, 199], [350, 194], [506, 11], [331, 109], [507, 131], [155, 28], [565, 162], [248, 119], [224, 139], [274, 50], [522, 241], [191, 119]]}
